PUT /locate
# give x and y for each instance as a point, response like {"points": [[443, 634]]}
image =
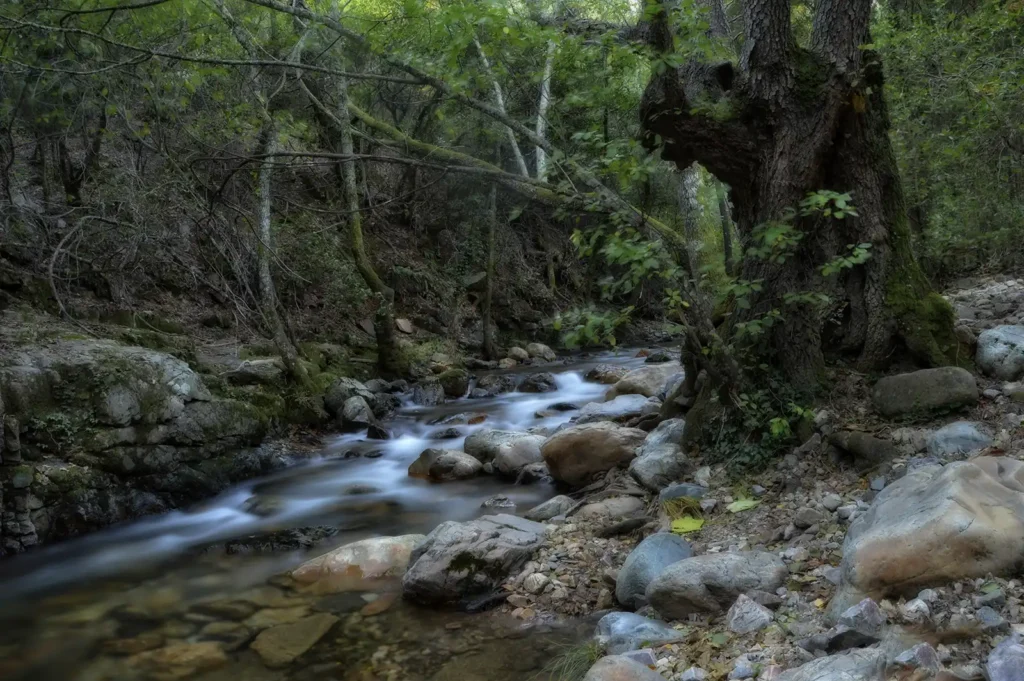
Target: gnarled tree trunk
{"points": [[788, 121]]}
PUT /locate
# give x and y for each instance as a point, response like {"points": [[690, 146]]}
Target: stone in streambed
{"points": [[960, 437], [485, 443], [281, 645], [712, 582], [924, 391], [180, 660], [496, 384], [538, 383], [606, 373], [682, 490], [356, 413], [645, 562], [460, 562], [620, 632], [454, 382], [428, 393], [647, 380], [612, 507], [1001, 352], [541, 351], [364, 565], [549, 509], [621, 408], [620, 668], [857, 665], [513, 457], [1006, 662], [576, 454], [660, 460], [442, 465], [518, 354], [746, 616]]}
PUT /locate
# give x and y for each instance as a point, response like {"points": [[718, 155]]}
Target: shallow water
{"points": [[101, 606]]}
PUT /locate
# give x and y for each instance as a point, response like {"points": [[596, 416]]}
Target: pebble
{"points": [[832, 502], [878, 483], [991, 621], [535, 583], [758, 490], [694, 674], [921, 656], [806, 517], [916, 610]]}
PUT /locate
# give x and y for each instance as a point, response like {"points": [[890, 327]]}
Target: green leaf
{"points": [[742, 505], [687, 524]]}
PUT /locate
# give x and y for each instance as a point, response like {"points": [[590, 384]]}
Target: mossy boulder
{"points": [[455, 382]]}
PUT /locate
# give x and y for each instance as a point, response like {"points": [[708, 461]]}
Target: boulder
{"points": [[575, 454], [485, 443], [460, 562], [366, 565], [712, 582], [281, 645], [647, 380], [867, 450], [608, 374], [428, 393], [614, 508], [660, 460], [518, 354], [341, 390], [538, 383], [934, 526], [541, 351], [857, 665], [1001, 352], [645, 562], [507, 363], [356, 413], [747, 616], [621, 668], [268, 371], [1006, 661], [442, 465], [454, 382], [620, 632], [619, 409], [924, 391], [960, 437], [513, 457], [547, 510], [496, 384]]}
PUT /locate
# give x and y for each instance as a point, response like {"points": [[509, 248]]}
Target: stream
{"points": [[181, 595]]}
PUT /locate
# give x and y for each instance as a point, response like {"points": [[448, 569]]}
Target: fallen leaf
{"points": [[687, 524], [742, 505]]}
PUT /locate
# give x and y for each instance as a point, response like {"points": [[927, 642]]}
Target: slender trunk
{"points": [[543, 103], [726, 217], [268, 293], [384, 319], [499, 103], [690, 210], [490, 349]]}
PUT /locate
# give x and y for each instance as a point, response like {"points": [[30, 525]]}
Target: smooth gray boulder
{"points": [[619, 409], [1001, 352], [460, 562], [549, 509], [746, 616], [660, 460], [442, 465], [620, 632], [538, 383], [496, 384], [513, 457], [485, 443], [648, 380], [620, 668], [960, 437], [1006, 662], [924, 391], [858, 665], [356, 413], [645, 562], [712, 582], [541, 351]]}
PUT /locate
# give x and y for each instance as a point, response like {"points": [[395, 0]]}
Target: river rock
{"points": [[454, 382], [645, 562], [547, 510], [608, 374], [485, 443], [575, 454], [660, 460], [459, 562], [267, 371], [619, 409], [518, 354], [541, 351], [1001, 352], [518, 454], [365, 565], [620, 668], [428, 393], [857, 665], [496, 384], [180, 660], [341, 390], [960, 437], [867, 450], [620, 632], [924, 391], [442, 465], [682, 490], [747, 616], [647, 380], [280, 645], [712, 582], [1006, 662], [356, 413], [934, 526], [538, 383], [614, 508]]}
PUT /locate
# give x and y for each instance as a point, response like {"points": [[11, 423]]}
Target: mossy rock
{"points": [[455, 382]]}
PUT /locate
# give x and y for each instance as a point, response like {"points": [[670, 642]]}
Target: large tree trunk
{"points": [[791, 121]]}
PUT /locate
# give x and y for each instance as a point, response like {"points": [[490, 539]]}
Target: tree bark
{"points": [[788, 122], [499, 104], [725, 214], [543, 102], [490, 348]]}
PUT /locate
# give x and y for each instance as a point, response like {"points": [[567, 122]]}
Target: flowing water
{"points": [[167, 596]]}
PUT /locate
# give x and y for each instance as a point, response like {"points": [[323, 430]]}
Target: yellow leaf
{"points": [[819, 603], [742, 505], [687, 524]]}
